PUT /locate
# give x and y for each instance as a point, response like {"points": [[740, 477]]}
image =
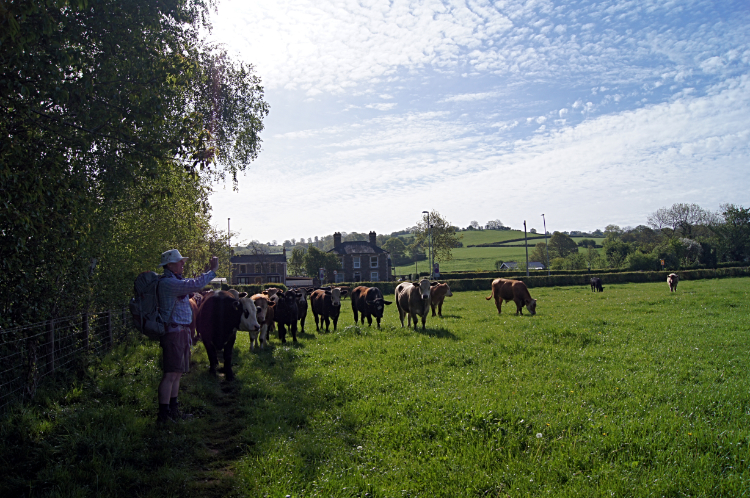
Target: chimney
{"points": [[336, 239], [373, 239]]}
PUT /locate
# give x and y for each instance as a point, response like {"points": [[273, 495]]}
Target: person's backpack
{"points": [[145, 305]]}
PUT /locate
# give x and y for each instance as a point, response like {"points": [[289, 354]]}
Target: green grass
{"points": [[630, 392]]}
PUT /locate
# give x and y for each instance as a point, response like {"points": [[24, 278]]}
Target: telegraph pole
{"points": [[546, 246], [526, 244]]}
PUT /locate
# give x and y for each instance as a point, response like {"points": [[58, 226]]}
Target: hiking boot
{"points": [[175, 414], [164, 418]]}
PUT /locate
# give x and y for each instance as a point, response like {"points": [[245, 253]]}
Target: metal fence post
{"points": [[109, 329], [51, 346], [85, 331]]}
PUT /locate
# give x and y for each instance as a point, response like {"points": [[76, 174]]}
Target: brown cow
{"points": [[413, 299], [512, 290], [327, 305], [672, 280], [437, 296]]}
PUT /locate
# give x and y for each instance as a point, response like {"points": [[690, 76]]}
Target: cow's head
{"points": [[377, 306], [424, 286], [249, 318], [261, 302], [443, 288], [531, 306], [335, 294]]}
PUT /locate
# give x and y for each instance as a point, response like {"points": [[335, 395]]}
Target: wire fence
{"points": [[30, 353]]}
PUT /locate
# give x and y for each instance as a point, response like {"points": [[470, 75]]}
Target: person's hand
{"points": [[214, 263]]}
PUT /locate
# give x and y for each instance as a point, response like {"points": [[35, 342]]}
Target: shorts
{"points": [[175, 345]]}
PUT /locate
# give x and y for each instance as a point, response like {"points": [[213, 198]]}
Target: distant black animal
{"points": [[369, 302], [302, 306], [286, 313], [596, 284], [326, 304]]}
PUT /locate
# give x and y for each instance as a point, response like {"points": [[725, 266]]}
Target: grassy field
{"points": [[630, 392], [482, 258]]}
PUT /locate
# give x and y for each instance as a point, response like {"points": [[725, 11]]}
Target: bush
{"points": [[637, 261]]}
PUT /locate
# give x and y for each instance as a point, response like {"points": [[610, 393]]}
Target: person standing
{"points": [[174, 306]]}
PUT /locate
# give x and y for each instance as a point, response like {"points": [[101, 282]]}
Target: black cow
{"points": [[302, 306], [286, 313], [327, 305], [369, 302], [218, 320], [596, 284]]}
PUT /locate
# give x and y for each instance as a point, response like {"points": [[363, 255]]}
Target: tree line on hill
{"points": [[682, 236]]}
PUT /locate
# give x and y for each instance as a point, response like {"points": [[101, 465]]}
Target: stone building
{"points": [[361, 261]]}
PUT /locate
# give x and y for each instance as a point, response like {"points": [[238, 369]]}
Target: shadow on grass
{"points": [[95, 432], [438, 332]]}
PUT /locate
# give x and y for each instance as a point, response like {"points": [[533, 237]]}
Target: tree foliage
{"points": [[314, 259], [114, 117], [561, 245], [443, 234]]}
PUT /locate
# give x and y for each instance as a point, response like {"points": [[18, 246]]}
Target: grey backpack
{"points": [[145, 305]]}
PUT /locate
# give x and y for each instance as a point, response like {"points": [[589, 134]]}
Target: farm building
{"points": [[512, 265], [259, 268], [361, 261]]}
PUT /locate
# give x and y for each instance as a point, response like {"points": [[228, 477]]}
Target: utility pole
{"points": [[546, 246], [526, 244]]}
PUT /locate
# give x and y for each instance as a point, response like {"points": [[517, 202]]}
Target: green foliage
{"points": [[540, 254], [114, 117], [443, 234], [297, 262], [734, 233], [314, 259], [561, 245], [637, 261], [587, 243]]}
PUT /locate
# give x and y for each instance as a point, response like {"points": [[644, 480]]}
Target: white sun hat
{"points": [[171, 256]]}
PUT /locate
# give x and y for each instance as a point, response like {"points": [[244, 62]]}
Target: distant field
{"points": [[483, 258]]}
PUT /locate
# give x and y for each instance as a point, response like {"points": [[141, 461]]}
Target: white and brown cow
{"points": [[512, 290], [437, 296], [412, 300], [672, 280], [265, 319]]}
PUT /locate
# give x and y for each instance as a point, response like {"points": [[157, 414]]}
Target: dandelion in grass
{"points": [[538, 435]]}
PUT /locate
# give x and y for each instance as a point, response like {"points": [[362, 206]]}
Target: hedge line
{"points": [[479, 284], [253, 288]]}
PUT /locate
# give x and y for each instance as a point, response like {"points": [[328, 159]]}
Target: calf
{"points": [[327, 305], [302, 306], [369, 302], [512, 290], [265, 319], [413, 299], [672, 280], [437, 295], [286, 313], [218, 319], [596, 284]]}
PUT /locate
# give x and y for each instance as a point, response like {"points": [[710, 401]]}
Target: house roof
{"points": [[536, 264], [259, 258], [358, 247], [509, 264]]}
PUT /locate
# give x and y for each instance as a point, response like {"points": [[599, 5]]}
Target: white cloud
{"points": [[382, 106]]}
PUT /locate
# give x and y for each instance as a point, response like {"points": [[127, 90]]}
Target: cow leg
{"points": [[282, 333], [369, 320], [440, 310], [327, 322], [253, 339], [356, 317], [293, 326], [228, 347], [378, 320], [499, 306], [401, 316], [212, 359], [432, 305], [317, 328], [424, 319], [413, 318], [302, 324]]}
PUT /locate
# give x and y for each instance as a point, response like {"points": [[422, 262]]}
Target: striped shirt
{"points": [[173, 294]]}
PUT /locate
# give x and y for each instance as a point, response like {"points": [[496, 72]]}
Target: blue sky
{"points": [[589, 112]]}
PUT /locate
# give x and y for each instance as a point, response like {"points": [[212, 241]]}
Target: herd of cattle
{"points": [[218, 315]]}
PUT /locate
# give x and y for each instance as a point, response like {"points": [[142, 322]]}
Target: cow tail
{"points": [[491, 294]]}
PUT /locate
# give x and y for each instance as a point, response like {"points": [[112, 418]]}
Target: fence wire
{"points": [[30, 353]]}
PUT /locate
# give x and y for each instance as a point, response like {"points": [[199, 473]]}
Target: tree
{"points": [[494, 225], [560, 245], [533, 230], [682, 217], [297, 262], [444, 237], [315, 259], [474, 225], [733, 233], [540, 254], [396, 247], [115, 118]]}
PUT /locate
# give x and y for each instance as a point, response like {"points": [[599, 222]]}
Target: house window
{"points": [[258, 268], [355, 263], [357, 276], [274, 279], [339, 277], [373, 276], [373, 261], [242, 269]]}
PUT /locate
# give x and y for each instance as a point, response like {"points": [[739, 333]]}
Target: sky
{"points": [[589, 112]]}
